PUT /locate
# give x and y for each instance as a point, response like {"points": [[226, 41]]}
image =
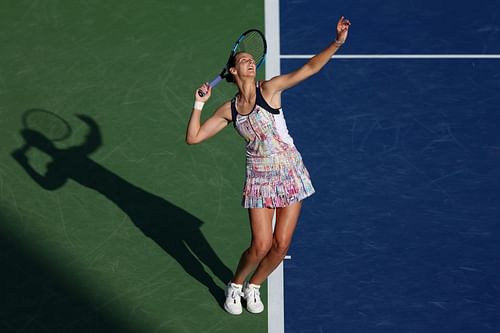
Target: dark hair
{"points": [[231, 63]]}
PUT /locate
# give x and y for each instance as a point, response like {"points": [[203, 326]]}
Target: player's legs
{"points": [[262, 240], [286, 220]]}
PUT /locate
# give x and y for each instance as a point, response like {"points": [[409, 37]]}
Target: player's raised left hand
{"points": [[342, 29]]}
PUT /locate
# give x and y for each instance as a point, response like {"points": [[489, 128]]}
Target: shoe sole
{"points": [[232, 313], [255, 311]]}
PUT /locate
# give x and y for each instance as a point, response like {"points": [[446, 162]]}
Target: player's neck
{"points": [[247, 91]]}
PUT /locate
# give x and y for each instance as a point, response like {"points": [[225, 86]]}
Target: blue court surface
{"points": [[403, 234]]}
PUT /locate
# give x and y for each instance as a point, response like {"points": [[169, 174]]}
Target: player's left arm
{"points": [[313, 66]]}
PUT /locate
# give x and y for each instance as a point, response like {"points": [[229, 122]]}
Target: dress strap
{"points": [[262, 102], [234, 113]]}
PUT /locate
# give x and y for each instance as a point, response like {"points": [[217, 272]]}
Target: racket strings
{"points": [[253, 44]]}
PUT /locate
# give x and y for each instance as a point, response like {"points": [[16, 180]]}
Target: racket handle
{"points": [[215, 81], [211, 84]]}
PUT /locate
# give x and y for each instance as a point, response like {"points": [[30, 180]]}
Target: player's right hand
{"points": [[205, 90]]}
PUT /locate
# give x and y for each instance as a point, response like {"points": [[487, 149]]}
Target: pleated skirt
{"points": [[275, 181]]}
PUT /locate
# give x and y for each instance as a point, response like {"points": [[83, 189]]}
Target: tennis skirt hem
{"points": [[279, 180]]}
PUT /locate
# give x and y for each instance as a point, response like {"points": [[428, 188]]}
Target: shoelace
{"points": [[254, 294], [235, 293]]}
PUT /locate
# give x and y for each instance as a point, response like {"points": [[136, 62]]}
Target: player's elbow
{"points": [[311, 68], [305, 72], [192, 140]]}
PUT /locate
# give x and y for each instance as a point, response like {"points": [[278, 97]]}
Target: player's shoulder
{"points": [[224, 110], [224, 106], [266, 84]]}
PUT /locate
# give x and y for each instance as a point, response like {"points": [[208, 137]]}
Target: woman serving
{"points": [[276, 178]]}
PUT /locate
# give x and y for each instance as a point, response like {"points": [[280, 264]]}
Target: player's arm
{"points": [[314, 65], [196, 131]]}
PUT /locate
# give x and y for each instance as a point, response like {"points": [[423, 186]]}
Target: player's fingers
{"points": [[203, 91], [199, 93], [207, 88], [203, 88]]}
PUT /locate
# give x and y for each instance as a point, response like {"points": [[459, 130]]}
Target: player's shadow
{"points": [[172, 228]]}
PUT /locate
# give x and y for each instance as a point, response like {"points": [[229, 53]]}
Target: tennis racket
{"points": [[252, 42]]}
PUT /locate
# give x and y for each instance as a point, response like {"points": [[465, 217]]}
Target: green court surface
{"points": [[117, 225]]}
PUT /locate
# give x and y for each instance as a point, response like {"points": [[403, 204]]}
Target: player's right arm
{"points": [[196, 131]]}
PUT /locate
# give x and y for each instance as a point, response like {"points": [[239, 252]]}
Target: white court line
{"points": [[275, 294], [397, 56]]}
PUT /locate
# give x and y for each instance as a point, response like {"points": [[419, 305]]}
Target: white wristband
{"points": [[198, 105]]}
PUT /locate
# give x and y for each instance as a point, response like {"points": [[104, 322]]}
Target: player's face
{"points": [[245, 64]]}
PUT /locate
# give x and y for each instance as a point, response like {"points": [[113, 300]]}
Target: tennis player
{"points": [[276, 178]]}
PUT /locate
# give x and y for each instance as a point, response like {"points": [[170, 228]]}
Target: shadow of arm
{"points": [[52, 180], [93, 139]]}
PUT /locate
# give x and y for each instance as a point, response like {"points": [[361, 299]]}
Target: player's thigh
{"points": [[261, 224], [286, 221]]}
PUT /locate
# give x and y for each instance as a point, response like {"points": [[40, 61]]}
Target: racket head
{"points": [[47, 123], [252, 42]]}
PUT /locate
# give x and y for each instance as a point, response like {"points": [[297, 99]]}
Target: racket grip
{"points": [[215, 81], [211, 84]]}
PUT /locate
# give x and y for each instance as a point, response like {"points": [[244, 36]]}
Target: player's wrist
{"points": [[339, 42], [198, 105]]}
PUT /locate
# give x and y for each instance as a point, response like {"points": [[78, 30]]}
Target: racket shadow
{"points": [[175, 230]]}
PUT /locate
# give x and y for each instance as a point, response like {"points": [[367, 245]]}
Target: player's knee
{"points": [[281, 246], [260, 248]]}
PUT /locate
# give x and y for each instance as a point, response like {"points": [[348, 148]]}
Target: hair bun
{"points": [[229, 78]]}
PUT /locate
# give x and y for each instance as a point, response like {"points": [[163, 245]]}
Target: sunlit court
{"points": [[111, 222]]}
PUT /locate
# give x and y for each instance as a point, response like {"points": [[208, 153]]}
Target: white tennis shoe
{"points": [[233, 298], [251, 294]]}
